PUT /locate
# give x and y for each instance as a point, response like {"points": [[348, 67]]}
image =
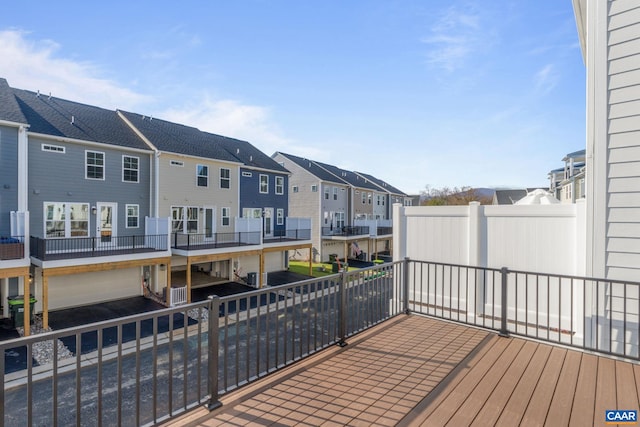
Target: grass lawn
{"points": [[319, 269]]}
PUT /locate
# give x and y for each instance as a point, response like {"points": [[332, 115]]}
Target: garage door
{"points": [[89, 288]]}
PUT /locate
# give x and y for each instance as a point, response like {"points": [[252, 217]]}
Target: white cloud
{"points": [[546, 79], [231, 118], [455, 36], [38, 65], [33, 65]]}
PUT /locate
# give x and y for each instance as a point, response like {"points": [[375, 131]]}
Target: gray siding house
{"points": [[89, 189], [14, 226]]}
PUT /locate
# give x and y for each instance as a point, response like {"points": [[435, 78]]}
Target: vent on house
{"points": [[53, 148], [176, 163]]}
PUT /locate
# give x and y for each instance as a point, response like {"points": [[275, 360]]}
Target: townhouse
{"points": [[350, 211], [93, 236], [14, 218]]}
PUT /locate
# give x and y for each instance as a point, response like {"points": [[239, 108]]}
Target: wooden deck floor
{"points": [[416, 371]]}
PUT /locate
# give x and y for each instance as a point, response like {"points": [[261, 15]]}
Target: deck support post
{"points": [[504, 332], [212, 356]]}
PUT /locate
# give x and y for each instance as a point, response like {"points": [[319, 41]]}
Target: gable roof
{"points": [[313, 168], [350, 177], [180, 139], [384, 186], [59, 117], [249, 155], [9, 108]]}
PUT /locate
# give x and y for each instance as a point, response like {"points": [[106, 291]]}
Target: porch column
{"points": [[310, 260], [260, 283], [45, 300], [188, 279], [168, 302], [26, 291]]}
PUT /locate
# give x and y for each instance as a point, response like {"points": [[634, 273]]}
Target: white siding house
{"points": [[610, 39]]}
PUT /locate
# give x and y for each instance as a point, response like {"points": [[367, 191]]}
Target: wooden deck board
{"points": [[494, 405], [477, 398], [416, 371], [562, 401], [585, 393], [536, 411], [521, 396]]}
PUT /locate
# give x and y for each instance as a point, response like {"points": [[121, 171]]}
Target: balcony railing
{"points": [[148, 376], [82, 247], [345, 231], [384, 231], [194, 241], [288, 235], [11, 247]]}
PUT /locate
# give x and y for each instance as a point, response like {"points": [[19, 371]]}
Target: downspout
{"points": [[23, 171], [156, 184]]}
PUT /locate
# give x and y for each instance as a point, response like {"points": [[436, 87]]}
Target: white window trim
{"points": [[223, 216], [198, 176], [104, 165], [51, 148], [335, 193], [126, 211], [279, 216], [281, 186], [260, 184], [67, 220], [137, 170], [295, 189], [224, 179], [314, 188]]}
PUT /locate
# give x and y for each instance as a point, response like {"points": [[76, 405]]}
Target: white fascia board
{"points": [[89, 143]]}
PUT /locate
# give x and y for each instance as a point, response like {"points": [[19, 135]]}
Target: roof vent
{"points": [[237, 151], [251, 158], [49, 95], [150, 118], [73, 119], [38, 94]]}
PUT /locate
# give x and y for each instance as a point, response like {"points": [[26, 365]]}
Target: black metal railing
{"points": [[148, 368], [11, 247], [188, 241], [288, 235], [346, 231], [80, 247], [384, 231]]}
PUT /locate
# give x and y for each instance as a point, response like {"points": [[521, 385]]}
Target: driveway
{"points": [[68, 318]]}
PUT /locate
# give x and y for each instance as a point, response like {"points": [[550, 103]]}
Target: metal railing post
{"points": [[504, 332], [212, 356], [342, 307], [405, 285]]}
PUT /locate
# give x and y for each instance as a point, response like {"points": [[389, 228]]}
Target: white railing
{"points": [[178, 296]]}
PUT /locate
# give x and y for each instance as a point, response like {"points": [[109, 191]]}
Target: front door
{"points": [[106, 222], [209, 222], [268, 222]]}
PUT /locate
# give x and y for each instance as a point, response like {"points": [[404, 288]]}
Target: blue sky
{"points": [[486, 93]]}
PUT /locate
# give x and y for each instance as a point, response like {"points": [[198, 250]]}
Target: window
{"points": [[247, 174], [66, 219], [94, 165], [294, 189], [335, 193], [364, 197], [326, 193], [225, 177], [339, 219], [130, 168], [378, 199], [369, 197], [264, 184], [176, 163], [133, 213], [225, 217], [184, 219], [382, 197], [53, 148], [202, 173], [314, 188], [279, 185], [279, 216]]}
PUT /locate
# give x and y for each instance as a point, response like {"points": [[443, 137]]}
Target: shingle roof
{"points": [[350, 177], [384, 186], [313, 168], [9, 108], [180, 139], [68, 119], [248, 154]]}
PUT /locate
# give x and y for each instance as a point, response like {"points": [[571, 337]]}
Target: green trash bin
{"points": [[16, 309]]}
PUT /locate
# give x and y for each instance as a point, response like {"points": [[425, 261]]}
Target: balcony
{"points": [[346, 231], [359, 347], [192, 241], [89, 247], [288, 236], [11, 248]]}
